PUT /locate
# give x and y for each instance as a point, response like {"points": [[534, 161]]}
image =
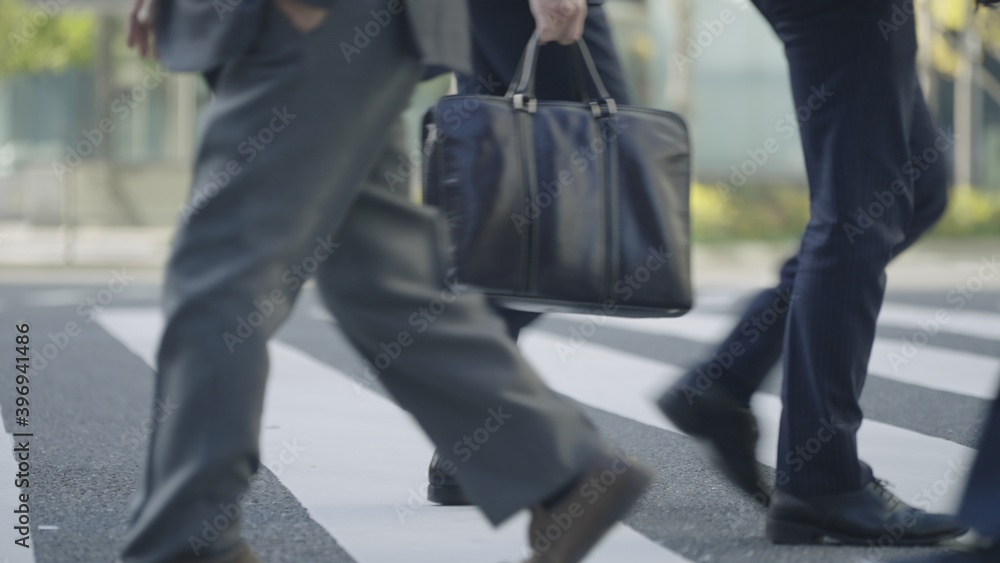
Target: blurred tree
{"points": [[951, 20], [42, 38], [961, 36]]}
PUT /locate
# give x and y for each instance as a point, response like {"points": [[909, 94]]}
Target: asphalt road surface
{"points": [[345, 468]]}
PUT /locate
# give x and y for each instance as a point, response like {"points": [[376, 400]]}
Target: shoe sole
{"points": [[784, 532], [447, 496]]}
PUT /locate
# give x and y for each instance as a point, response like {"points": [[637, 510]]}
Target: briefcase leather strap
{"points": [[522, 91]]}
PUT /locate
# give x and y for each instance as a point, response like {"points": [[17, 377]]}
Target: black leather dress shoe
{"points": [[728, 429], [442, 487], [872, 514]]}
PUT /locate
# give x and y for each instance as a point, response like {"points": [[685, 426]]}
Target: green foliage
{"points": [[970, 212], [763, 213], [949, 18], [32, 40], [751, 213]]}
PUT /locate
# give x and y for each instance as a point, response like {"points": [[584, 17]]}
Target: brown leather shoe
{"points": [[565, 529], [242, 554]]}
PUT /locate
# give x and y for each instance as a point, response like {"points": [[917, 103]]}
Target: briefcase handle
{"points": [[524, 87]]}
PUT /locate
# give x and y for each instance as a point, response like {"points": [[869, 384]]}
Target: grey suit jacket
{"points": [[200, 35]]}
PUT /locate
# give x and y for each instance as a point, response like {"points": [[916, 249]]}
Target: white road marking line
{"points": [[9, 502], [697, 326], [921, 467], [55, 297], [722, 298], [978, 324], [363, 461], [928, 366], [937, 368]]}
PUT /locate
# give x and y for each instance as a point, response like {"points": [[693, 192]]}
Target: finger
{"points": [[132, 35], [581, 22], [138, 29], [137, 37], [143, 20], [577, 28], [145, 17], [140, 44], [560, 29], [569, 18], [568, 35], [144, 41], [146, 12], [546, 32]]}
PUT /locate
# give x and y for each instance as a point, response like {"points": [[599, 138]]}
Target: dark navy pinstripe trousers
{"points": [[877, 180]]}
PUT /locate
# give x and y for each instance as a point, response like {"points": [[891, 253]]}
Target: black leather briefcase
{"points": [[563, 206]]}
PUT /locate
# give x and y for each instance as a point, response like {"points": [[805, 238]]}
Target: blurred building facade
{"points": [[111, 144]]}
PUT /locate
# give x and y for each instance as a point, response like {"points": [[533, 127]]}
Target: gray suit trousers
{"points": [[286, 145]]}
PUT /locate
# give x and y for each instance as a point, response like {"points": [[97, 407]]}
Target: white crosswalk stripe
{"points": [[938, 368], [913, 361], [11, 510], [314, 413], [316, 409], [626, 385], [928, 319]]}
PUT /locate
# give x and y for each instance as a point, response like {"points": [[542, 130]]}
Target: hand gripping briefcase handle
{"points": [[563, 205], [524, 86]]}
